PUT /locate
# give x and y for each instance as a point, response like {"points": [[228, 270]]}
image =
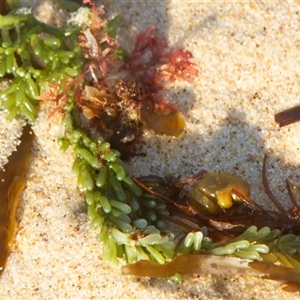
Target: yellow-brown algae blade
{"points": [[171, 124], [276, 272], [292, 287], [192, 264], [12, 183]]}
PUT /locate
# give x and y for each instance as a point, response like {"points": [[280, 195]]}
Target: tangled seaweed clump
{"points": [[106, 98]]}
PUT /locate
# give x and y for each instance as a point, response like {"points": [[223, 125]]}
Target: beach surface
{"points": [[248, 55]]}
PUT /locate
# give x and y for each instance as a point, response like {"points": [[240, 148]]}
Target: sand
{"points": [[249, 60]]}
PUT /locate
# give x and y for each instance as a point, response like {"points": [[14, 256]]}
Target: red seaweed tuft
{"points": [[153, 65], [118, 98]]}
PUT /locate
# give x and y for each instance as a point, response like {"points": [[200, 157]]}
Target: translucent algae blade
{"points": [[191, 264], [12, 183]]}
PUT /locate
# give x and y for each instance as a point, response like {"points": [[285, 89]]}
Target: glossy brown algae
{"points": [[12, 183], [288, 116]]}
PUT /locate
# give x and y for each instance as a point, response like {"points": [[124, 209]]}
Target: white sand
{"points": [[249, 61]]}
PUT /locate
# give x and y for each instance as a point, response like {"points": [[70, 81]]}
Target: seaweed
{"points": [[12, 183], [106, 98]]}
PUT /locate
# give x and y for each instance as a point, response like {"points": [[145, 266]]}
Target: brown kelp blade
{"points": [[12, 183], [191, 264], [288, 116]]}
